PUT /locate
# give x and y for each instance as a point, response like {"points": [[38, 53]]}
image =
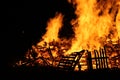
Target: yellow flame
{"points": [[118, 20], [94, 23], [53, 27]]}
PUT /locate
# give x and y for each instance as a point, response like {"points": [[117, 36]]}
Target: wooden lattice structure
{"points": [[68, 63], [100, 59]]}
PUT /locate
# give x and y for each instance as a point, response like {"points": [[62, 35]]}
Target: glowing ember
{"points": [[97, 24]]}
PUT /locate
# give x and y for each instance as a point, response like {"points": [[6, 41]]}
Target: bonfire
{"points": [[96, 27]]}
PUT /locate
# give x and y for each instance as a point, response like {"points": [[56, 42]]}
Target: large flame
{"points": [[96, 22]]}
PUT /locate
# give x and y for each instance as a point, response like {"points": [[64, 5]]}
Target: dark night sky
{"points": [[27, 22]]}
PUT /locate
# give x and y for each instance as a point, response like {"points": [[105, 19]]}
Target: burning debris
{"points": [[69, 63], [96, 39], [106, 57]]}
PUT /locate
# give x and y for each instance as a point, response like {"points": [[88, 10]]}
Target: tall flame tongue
{"points": [[52, 32], [96, 22], [53, 27]]}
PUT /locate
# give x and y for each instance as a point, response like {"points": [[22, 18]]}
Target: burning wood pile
{"points": [[96, 30], [113, 51], [43, 55], [107, 57]]}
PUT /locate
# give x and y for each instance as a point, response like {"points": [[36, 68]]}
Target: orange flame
{"points": [[118, 19], [53, 27], [95, 23]]}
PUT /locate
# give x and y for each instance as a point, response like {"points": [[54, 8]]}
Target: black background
{"points": [[27, 21]]}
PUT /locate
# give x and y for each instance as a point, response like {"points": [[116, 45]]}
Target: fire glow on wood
{"points": [[96, 29]]}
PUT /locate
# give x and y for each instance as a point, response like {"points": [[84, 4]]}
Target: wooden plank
{"points": [[95, 52], [68, 62]]}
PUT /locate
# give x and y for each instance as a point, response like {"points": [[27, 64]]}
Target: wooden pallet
{"points": [[68, 63]]}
